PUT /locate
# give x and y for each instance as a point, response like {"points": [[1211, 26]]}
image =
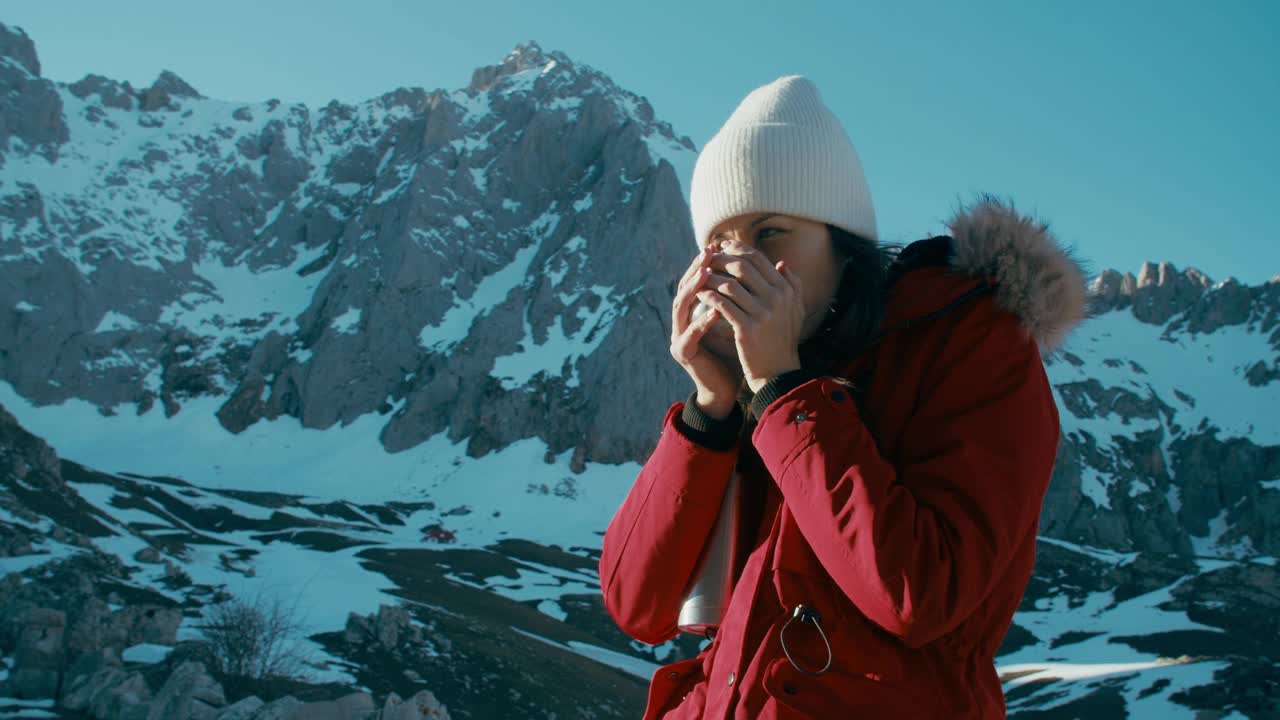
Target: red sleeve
{"points": [[654, 539], [919, 546]]}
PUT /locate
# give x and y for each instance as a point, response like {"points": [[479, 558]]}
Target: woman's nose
{"points": [[743, 237]]}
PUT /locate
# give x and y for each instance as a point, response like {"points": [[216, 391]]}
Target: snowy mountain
{"points": [[400, 360], [465, 261]]}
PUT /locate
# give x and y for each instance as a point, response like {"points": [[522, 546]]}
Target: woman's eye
{"points": [[767, 232]]}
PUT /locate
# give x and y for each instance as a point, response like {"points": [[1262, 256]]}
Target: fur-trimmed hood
{"points": [[1037, 279]]}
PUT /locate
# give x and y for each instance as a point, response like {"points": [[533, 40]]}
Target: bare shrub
{"points": [[257, 636]]}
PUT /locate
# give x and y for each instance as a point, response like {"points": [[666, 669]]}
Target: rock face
{"points": [[466, 261]]}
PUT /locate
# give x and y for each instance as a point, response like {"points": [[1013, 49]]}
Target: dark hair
{"points": [[853, 319]]}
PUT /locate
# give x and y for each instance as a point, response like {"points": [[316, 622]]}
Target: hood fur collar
{"points": [[1039, 281]]}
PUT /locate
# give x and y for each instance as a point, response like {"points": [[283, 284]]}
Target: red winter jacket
{"points": [[909, 525]]}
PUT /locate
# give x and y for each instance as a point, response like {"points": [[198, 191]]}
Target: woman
{"points": [[891, 425]]}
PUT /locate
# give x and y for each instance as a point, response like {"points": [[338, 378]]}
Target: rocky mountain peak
{"points": [[1165, 274], [530, 54], [168, 81], [15, 45], [167, 85], [525, 56], [562, 82], [1160, 293]]}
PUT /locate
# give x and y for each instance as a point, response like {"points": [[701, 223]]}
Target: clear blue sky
{"points": [[1139, 130]]}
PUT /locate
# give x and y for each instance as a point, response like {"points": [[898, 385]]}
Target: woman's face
{"points": [[803, 244]]}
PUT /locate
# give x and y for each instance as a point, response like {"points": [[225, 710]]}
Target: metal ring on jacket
{"points": [[805, 614]]}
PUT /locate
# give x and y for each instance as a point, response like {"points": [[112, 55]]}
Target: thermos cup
{"points": [[712, 584], [701, 309], [708, 594]]}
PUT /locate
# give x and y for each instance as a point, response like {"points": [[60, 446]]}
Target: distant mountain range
{"points": [[412, 351]]}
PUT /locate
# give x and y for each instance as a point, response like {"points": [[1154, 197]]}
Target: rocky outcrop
{"points": [[1195, 303], [392, 632], [30, 108], [26, 458], [389, 627]]}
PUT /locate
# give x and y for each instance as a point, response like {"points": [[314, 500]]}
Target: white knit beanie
{"points": [[781, 151]]}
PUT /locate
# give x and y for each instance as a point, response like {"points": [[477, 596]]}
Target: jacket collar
{"points": [[1032, 276]]}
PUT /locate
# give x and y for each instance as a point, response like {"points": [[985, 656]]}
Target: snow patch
{"points": [[348, 322], [489, 293], [146, 653], [560, 349], [1036, 672], [626, 663], [1096, 486], [115, 321]]}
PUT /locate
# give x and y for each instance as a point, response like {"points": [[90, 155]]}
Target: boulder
{"points": [[87, 664], [392, 624], [109, 694], [189, 694], [356, 706], [38, 657], [284, 708], [246, 709], [422, 706], [152, 624], [148, 555], [127, 700]]}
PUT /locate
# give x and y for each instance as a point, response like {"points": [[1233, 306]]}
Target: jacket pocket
{"points": [[837, 693], [669, 685]]}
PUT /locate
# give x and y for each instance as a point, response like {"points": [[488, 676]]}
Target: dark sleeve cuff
{"points": [[708, 431], [777, 387]]}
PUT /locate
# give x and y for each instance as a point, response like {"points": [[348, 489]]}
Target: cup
{"points": [[719, 338]]}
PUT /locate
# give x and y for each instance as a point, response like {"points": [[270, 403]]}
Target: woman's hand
{"points": [[715, 380], [764, 304]]}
